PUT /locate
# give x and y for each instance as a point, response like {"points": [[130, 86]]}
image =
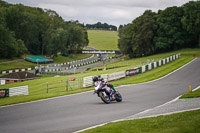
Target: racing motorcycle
{"points": [[106, 93]]}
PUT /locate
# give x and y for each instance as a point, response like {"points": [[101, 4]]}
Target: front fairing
{"points": [[97, 86]]}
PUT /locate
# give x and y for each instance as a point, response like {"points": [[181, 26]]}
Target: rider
{"points": [[104, 83]]}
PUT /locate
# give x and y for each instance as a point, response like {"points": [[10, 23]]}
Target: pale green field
{"points": [[103, 40]]}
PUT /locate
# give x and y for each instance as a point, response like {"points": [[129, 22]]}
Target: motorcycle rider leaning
{"points": [[104, 83]]}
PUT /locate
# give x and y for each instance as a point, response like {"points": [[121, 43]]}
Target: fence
{"points": [[17, 70], [70, 83]]}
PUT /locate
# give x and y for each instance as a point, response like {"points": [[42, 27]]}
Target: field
{"points": [[103, 40]]}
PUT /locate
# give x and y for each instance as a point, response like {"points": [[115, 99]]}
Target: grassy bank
{"points": [[37, 88], [103, 40], [193, 94], [187, 122]]}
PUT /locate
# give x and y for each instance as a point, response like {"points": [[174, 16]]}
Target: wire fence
{"points": [[71, 83]]}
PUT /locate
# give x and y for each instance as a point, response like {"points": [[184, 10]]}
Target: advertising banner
{"points": [[4, 93], [94, 52], [132, 72]]}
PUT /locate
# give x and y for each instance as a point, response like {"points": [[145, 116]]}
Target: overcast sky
{"points": [[113, 12]]}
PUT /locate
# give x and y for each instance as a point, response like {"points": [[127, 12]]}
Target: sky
{"points": [[115, 12]]}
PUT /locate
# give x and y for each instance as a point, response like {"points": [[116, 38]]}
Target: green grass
{"points": [[37, 87], [193, 94], [186, 122], [103, 40]]}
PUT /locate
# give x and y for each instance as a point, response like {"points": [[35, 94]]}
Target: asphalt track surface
{"points": [[68, 114]]}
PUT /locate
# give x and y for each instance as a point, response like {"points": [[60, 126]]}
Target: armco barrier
{"points": [[116, 75], [17, 70], [87, 81]]}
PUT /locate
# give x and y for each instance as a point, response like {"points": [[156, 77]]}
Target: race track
{"points": [[75, 112]]}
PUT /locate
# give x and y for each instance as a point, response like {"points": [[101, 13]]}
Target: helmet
{"points": [[95, 78], [102, 79]]}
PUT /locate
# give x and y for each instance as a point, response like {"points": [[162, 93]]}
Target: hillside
{"points": [[103, 40]]}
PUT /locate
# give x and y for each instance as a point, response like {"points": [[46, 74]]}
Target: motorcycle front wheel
{"points": [[104, 97], [118, 97]]}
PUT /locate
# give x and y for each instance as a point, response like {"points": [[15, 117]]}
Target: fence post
{"points": [[67, 85], [47, 87]]}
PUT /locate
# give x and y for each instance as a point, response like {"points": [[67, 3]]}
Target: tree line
{"points": [[170, 29], [100, 25], [37, 31]]}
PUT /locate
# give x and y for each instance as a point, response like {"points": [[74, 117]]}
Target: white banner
{"points": [[116, 75], [3, 82], [87, 81], [21, 90]]}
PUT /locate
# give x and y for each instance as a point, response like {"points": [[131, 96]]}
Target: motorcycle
{"points": [[106, 93]]}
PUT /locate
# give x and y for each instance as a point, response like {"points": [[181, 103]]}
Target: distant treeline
{"points": [[37, 31], [103, 26], [170, 29]]}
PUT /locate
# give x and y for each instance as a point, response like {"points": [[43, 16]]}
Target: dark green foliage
{"points": [[9, 46], [100, 25], [170, 34], [136, 39], [125, 37], [171, 29], [191, 20], [37, 31]]}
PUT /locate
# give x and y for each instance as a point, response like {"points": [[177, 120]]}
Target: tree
{"points": [[144, 32], [9, 47], [100, 25], [78, 37], [170, 34], [120, 27], [191, 20], [124, 41], [40, 31], [136, 39], [57, 42]]}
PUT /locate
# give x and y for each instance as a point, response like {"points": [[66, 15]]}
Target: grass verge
{"points": [[186, 122], [193, 94]]}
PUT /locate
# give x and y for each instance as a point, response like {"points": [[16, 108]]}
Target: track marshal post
{"points": [[190, 88]]}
